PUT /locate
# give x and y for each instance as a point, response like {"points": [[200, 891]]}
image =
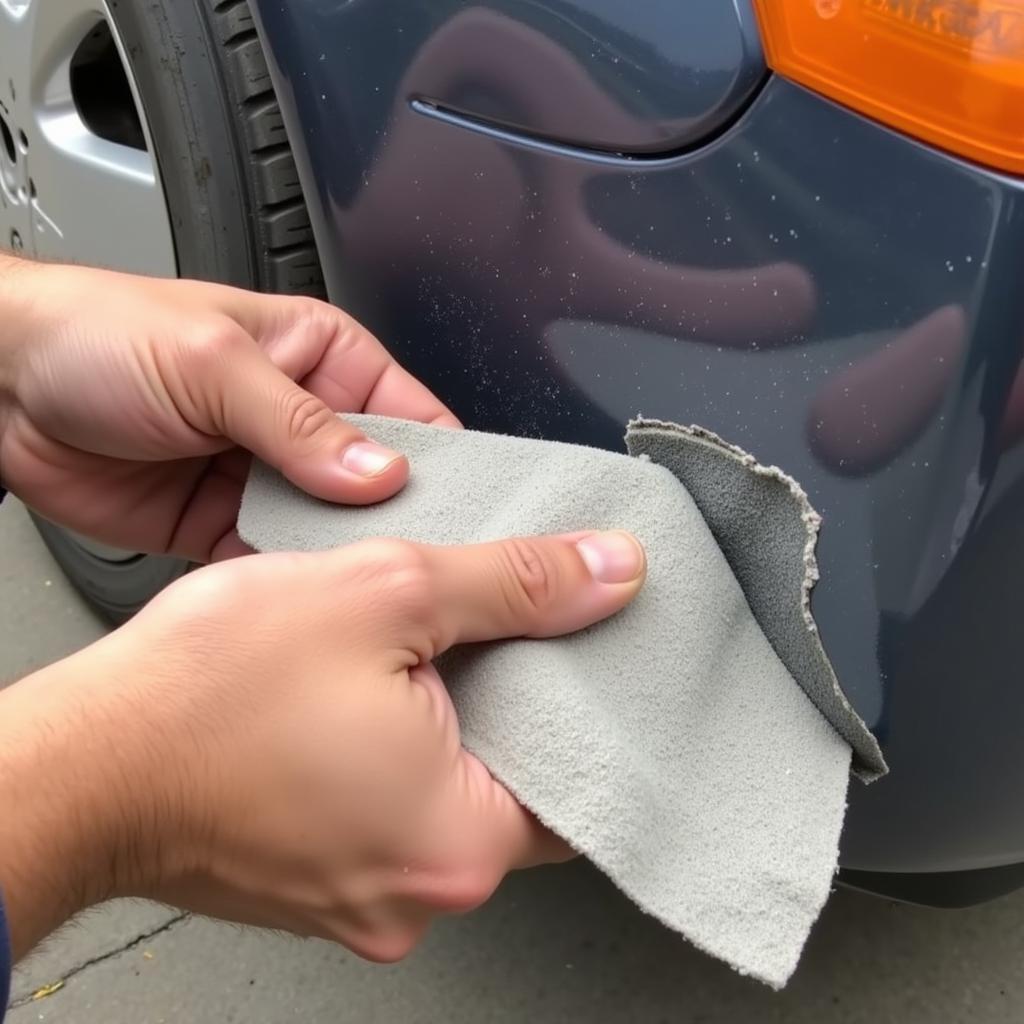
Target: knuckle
{"points": [[530, 575], [391, 556], [205, 593], [324, 319], [214, 344], [304, 415], [315, 311], [395, 578], [224, 590], [401, 568], [307, 306], [195, 619]]}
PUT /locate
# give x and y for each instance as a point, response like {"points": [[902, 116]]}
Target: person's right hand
{"points": [[268, 742]]}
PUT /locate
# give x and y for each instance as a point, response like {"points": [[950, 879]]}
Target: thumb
{"points": [[260, 408], [529, 586]]}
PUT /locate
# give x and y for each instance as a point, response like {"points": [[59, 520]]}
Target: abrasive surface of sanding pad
{"points": [[670, 744]]}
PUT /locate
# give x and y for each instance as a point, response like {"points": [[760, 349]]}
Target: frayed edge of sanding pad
{"points": [[869, 762], [809, 516]]}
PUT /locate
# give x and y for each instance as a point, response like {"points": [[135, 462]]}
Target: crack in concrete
{"points": [[77, 969]]}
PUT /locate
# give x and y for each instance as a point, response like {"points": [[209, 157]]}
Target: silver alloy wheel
{"points": [[75, 187], [78, 179]]}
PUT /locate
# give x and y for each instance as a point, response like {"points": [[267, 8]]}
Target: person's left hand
{"points": [[129, 405]]}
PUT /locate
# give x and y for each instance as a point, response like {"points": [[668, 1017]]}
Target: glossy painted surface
{"points": [[597, 73], [836, 298]]}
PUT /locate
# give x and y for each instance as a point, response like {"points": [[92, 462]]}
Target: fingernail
{"points": [[367, 458], [612, 557]]}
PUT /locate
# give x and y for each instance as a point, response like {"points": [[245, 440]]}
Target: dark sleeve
{"points": [[5, 962]]}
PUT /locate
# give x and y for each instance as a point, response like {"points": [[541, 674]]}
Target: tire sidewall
{"points": [[169, 47], [116, 590]]}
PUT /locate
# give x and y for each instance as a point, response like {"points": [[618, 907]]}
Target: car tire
{"points": [[236, 207], [116, 587]]}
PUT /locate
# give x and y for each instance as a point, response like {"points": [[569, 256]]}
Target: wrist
{"points": [[79, 824]]}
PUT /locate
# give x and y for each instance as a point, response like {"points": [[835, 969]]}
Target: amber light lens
{"points": [[950, 72]]}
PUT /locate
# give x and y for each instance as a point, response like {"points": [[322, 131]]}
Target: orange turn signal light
{"points": [[950, 72]]}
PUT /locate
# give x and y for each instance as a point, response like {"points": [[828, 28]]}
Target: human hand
{"points": [[268, 742], [128, 405]]}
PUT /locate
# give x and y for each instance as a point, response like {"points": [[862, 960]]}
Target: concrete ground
{"points": [[558, 945]]}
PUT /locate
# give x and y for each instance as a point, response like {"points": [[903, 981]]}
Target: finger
{"points": [[357, 374], [530, 586], [337, 359], [230, 546], [254, 404], [207, 507], [398, 393], [509, 835]]}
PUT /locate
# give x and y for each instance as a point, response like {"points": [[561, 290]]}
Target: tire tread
{"points": [[288, 258]]}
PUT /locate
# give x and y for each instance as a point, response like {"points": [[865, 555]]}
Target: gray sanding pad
{"points": [[682, 745]]}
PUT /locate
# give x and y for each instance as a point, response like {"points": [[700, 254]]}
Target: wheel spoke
{"points": [[98, 202]]}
